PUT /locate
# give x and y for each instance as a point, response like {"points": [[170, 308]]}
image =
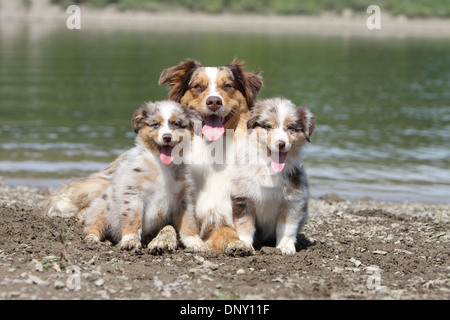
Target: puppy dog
{"points": [[147, 190], [224, 97], [270, 188]]}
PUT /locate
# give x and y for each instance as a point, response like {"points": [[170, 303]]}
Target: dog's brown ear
{"points": [[178, 78], [307, 121], [249, 83], [255, 116], [139, 117], [252, 122]]}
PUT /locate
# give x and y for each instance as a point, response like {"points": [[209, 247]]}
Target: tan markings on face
{"points": [[266, 130], [149, 135], [296, 136], [289, 121], [173, 118], [196, 96], [233, 98], [200, 89]]}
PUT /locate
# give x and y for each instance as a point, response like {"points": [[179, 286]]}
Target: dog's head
{"points": [[219, 94], [160, 126], [281, 127]]}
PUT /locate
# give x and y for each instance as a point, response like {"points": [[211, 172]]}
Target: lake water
{"points": [[382, 105]]}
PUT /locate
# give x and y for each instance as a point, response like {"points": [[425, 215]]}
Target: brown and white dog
{"points": [[224, 97], [270, 188], [147, 190]]}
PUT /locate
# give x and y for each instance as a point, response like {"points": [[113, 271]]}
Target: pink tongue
{"points": [[278, 161], [166, 155], [213, 128]]}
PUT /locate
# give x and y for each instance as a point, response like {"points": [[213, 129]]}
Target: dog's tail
{"points": [[75, 196]]}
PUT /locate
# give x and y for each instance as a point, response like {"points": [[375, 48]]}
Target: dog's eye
{"points": [[155, 125], [227, 86], [292, 128], [197, 86], [177, 124], [268, 126]]}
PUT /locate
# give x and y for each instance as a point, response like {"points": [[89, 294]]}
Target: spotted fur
{"points": [[270, 201], [144, 194]]}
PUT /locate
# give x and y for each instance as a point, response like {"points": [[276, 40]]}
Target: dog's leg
{"points": [[289, 224], [165, 241], [131, 230], [226, 239], [244, 218], [185, 222], [95, 232], [95, 223], [286, 237]]}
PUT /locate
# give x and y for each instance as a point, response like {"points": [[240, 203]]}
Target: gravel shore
{"points": [[348, 250], [349, 23]]}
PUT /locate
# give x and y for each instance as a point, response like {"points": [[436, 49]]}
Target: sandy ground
{"points": [[350, 23], [347, 250]]}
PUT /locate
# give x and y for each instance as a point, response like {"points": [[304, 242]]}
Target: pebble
{"points": [[59, 284], [357, 263], [210, 265], [240, 271], [99, 282], [380, 252], [103, 294], [37, 280], [36, 265]]}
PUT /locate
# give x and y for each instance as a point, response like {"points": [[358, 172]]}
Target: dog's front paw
{"points": [[165, 241], [130, 242], [195, 243], [91, 239], [239, 248], [288, 249]]}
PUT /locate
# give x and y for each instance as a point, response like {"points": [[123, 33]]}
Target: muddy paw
{"points": [[287, 247], [91, 239], [130, 242], [287, 250], [239, 249], [165, 241]]}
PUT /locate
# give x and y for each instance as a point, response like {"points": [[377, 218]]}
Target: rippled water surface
{"points": [[382, 105]]}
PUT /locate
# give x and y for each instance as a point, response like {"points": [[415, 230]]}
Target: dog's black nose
{"points": [[280, 144], [214, 103], [167, 137]]}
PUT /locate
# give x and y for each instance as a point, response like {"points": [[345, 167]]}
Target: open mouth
{"points": [[165, 154], [278, 160], [214, 126]]}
